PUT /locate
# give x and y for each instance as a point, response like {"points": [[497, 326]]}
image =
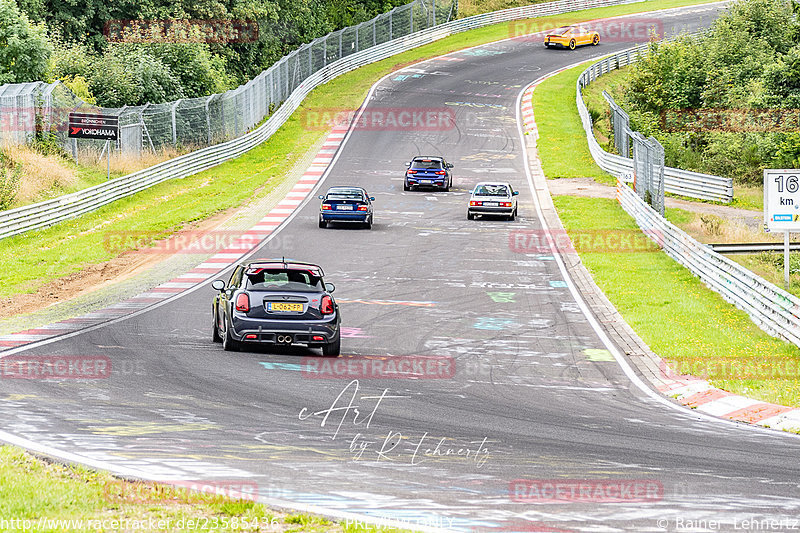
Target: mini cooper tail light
{"points": [[326, 307], [243, 303], [326, 207], [362, 208]]}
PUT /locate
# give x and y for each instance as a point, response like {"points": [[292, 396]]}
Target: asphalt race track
{"points": [[530, 392]]}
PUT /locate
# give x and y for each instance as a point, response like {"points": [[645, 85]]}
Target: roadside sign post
{"points": [[786, 259], [782, 207], [95, 126]]}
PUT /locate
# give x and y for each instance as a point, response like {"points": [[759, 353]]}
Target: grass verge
{"points": [[34, 259], [562, 142], [682, 320], [54, 497]]}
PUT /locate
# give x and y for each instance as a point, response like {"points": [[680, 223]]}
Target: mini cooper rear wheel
{"points": [[334, 348], [228, 343]]}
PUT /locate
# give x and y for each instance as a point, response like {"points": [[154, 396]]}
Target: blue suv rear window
{"points": [[426, 165]]}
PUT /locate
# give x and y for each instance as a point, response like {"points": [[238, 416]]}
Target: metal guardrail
{"points": [[751, 247], [49, 212], [772, 309], [676, 181]]}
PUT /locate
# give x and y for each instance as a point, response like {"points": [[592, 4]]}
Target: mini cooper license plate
{"points": [[284, 306]]}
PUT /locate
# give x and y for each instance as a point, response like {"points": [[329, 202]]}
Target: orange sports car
{"points": [[570, 37]]}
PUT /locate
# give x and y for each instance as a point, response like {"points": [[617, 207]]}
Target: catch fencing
{"points": [[208, 120], [772, 309], [675, 181], [43, 214]]}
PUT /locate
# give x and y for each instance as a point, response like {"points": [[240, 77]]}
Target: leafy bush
{"points": [[10, 174], [749, 60], [128, 75], [24, 49]]}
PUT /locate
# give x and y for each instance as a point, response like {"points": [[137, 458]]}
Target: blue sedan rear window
{"points": [[339, 196]]}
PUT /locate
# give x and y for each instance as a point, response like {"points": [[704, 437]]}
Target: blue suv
{"points": [[426, 171]]}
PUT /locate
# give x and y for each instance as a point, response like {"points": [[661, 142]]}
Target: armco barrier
{"points": [[772, 309], [676, 181], [49, 212]]}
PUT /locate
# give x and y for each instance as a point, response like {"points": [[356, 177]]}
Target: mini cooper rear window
{"points": [[284, 280]]}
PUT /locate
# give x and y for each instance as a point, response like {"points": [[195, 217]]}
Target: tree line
{"points": [[69, 40]]}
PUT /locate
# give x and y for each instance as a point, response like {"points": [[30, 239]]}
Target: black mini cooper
{"points": [[277, 302]]}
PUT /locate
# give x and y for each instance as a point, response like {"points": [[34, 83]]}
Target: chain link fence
{"points": [[648, 170], [30, 108]]}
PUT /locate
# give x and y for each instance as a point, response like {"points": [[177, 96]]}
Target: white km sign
{"points": [[782, 199], [782, 207]]}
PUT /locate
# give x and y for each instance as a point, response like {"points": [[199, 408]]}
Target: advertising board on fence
{"points": [[93, 126]]}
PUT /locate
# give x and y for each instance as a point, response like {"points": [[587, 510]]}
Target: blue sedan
{"points": [[346, 204]]}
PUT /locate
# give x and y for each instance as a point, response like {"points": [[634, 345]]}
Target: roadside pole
{"points": [[786, 260]]}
